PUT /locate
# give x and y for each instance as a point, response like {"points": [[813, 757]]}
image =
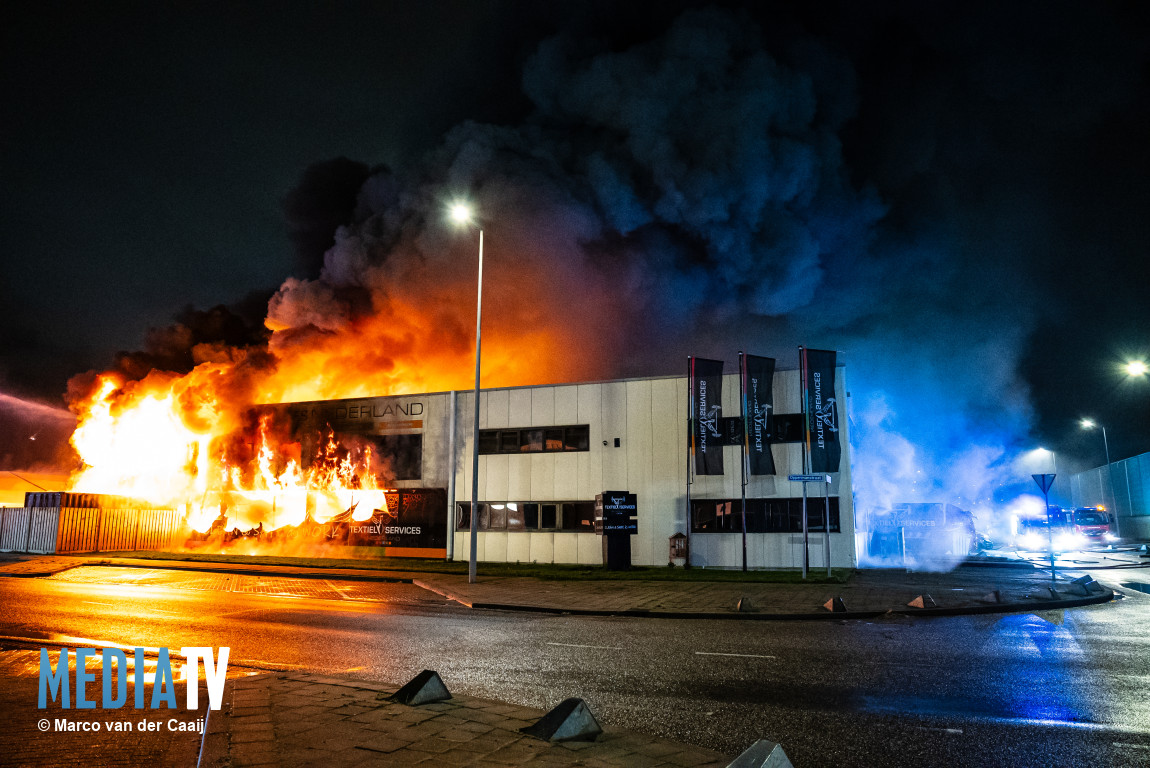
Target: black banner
{"points": [[821, 410], [758, 412], [707, 414]]}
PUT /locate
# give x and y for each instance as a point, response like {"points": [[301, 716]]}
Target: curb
{"points": [[232, 568], [1039, 605], [240, 570]]}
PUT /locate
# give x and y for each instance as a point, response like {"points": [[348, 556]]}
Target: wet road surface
{"points": [[1050, 688]]}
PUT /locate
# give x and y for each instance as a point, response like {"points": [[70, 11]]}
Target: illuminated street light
{"points": [[461, 214], [1091, 424], [1136, 368]]}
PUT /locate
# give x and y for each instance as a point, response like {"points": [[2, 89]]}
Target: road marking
{"points": [[739, 655], [93, 602], [1131, 746], [943, 730], [597, 647], [345, 595]]}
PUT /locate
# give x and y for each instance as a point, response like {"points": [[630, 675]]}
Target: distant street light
{"points": [[1091, 424], [461, 214], [1136, 368]]}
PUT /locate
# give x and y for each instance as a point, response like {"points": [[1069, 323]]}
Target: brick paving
{"points": [[23, 742], [312, 720]]}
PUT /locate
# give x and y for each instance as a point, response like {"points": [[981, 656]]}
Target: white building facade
{"points": [[547, 451]]}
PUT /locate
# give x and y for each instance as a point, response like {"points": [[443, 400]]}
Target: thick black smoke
{"points": [[322, 201], [699, 180], [196, 336]]}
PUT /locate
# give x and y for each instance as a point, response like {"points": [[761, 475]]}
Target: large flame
{"points": [[182, 441]]}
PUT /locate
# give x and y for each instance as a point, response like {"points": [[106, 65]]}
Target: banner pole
{"points": [[827, 525], [690, 445], [745, 457], [806, 455]]}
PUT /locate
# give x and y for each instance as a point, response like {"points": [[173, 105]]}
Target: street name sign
{"points": [[809, 478]]}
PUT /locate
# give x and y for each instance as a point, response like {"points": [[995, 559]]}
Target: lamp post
{"points": [[1091, 424], [461, 213]]}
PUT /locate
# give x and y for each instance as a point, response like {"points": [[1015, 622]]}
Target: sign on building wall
{"points": [[414, 519]]}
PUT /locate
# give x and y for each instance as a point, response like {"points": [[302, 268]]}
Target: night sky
{"points": [[954, 195]]}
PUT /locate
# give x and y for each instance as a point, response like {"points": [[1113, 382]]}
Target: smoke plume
{"points": [[689, 194]]}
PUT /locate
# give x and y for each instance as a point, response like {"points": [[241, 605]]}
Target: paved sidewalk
{"points": [[991, 589], [311, 720]]}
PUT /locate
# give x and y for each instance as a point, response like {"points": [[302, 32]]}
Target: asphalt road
{"points": [[1050, 689]]}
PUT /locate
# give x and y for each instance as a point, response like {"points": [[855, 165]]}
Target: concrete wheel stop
{"points": [[835, 605], [762, 754], [570, 721], [424, 688]]}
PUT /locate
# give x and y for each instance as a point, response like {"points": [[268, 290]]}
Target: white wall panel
{"points": [[542, 406], [566, 405], [567, 548], [542, 547], [518, 547], [614, 426], [520, 478], [565, 467], [494, 548], [495, 414], [498, 469], [590, 548], [519, 408], [542, 467]]}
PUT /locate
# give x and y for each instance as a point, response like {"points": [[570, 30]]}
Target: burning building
{"points": [[391, 475], [546, 452]]}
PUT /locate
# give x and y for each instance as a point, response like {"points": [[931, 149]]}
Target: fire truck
{"points": [[1068, 529]]}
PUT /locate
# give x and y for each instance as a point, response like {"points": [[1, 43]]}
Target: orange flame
{"points": [[163, 438]]}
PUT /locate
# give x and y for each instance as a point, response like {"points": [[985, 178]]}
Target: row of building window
{"points": [[707, 516], [763, 515], [573, 516], [576, 437]]}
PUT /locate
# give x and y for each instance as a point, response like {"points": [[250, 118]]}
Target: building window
{"points": [[403, 454], [763, 515], [535, 440], [561, 516]]}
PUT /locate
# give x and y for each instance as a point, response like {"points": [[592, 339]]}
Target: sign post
{"points": [[1044, 482], [804, 479], [615, 513]]}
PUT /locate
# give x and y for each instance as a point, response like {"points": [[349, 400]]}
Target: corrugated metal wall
{"points": [[14, 529], [55, 530]]}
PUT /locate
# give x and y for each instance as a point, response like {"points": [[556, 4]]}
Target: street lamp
{"points": [[461, 214], [1136, 368], [1091, 424]]}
